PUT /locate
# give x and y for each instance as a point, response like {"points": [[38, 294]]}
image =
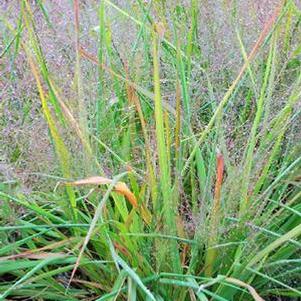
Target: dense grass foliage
{"points": [[150, 150]]}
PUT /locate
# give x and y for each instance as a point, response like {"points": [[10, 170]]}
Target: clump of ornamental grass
{"points": [[179, 178]]}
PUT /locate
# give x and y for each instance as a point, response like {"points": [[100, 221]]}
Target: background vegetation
{"points": [[150, 150]]}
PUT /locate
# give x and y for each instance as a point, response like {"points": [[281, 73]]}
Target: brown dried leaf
{"points": [[90, 181], [120, 187]]}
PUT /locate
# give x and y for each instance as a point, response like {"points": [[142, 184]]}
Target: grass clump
{"points": [[175, 151]]}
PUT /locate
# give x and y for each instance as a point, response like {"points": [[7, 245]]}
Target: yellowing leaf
{"points": [[145, 213], [250, 288], [160, 29]]}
